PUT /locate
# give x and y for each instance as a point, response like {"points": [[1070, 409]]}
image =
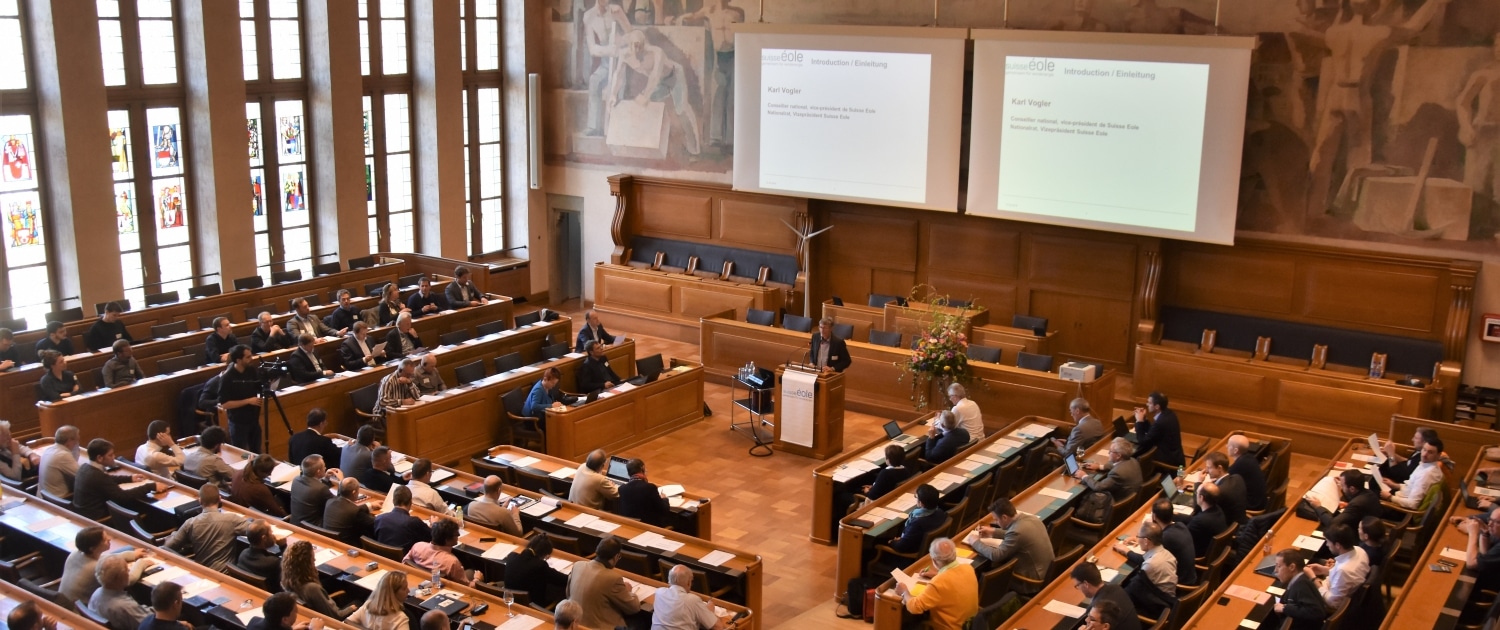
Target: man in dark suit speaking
{"points": [[828, 352]]}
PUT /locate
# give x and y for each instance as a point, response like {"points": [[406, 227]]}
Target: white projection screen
{"points": [[1139, 134], [865, 114]]}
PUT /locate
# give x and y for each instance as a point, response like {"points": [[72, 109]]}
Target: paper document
{"points": [[283, 473], [1308, 542], [904, 579], [249, 615], [581, 520], [167, 575], [520, 622], [1275, 591], [561, 564], [175, 499], [1249, 625], [1065, 609], [1374, 441], [1108, 575], [717, 557], [498, 551], [967, 464], [1485, 492], [565, 472], [370, 581], [134, 484], [323, 555], [1250, 594], [525, 461], [441, 474], [538, 509], [1055, 493], [198, 588], [671, 490], [1456, 555], [1008, 443], [1324, 493], [46, 524]]}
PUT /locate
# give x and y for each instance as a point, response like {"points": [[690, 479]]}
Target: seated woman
{"points": [[384, 611], [299, 576]]}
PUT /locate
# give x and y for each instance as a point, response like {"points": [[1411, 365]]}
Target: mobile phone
{"points": [[486, 540], [1224, 601], [479, 609]]}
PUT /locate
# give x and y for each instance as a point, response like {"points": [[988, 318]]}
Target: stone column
{"points": [[335, 109]]}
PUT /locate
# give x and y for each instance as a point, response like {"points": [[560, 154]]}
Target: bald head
{"points": [[492, 485], [682, 576], [349, 488], [1238, 444]]}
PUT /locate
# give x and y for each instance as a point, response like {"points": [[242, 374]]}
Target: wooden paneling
{"points": [[1261, 283], [1315, 402], [1343, 294], [850, 282], [873, 241], [755, 224], [971, 250], [635, 292], [699, 301], [675, 214], [1079, 264], [1195, 381], [1095, 329], [892, 282], [670, 304]]}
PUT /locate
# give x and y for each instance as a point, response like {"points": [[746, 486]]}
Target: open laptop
{"points": [[1121, 429], [647, 370], [1178, 498], [893, 431], [617, 470]]}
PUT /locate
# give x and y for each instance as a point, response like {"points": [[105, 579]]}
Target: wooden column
{"points": [[214, 82], [335, 110], [83, 245]]}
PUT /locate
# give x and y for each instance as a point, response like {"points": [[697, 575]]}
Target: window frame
{"points": [[265, 91]]}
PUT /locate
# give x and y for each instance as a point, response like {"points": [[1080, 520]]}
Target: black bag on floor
{"points": [[861, 591]]}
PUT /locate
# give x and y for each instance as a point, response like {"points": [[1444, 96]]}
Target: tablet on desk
{"points": [[1071, 461]]}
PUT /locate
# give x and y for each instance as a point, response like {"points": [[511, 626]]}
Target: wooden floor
{"points": [[764, 504]]}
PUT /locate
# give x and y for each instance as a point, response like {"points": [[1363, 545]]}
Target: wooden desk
{"points": [[11, 597], [669, 305], [628, 418], [1320, 409], [120, 415], [916, 317], [741, 568], [855, 539], [834, 476], [1418, 604], [694, 514], [52, 527], [1033, 615], [1286, 530], [474, 543], [1010, 341], [444, 430], [1003, 393]]}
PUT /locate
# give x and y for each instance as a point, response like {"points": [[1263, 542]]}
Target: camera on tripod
{"points": [[268, 372]]}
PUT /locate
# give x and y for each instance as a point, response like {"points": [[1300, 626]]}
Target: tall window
{"points": [[387, 121], [25, 287], [148, 152], [481, 99], [276, 130]]}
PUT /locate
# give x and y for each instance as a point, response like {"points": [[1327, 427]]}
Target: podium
{"points": [[809, 412]]}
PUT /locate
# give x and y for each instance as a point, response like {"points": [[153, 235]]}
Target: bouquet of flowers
{"points": [[940, 353]]}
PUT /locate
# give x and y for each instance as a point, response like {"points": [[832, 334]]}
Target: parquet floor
{"points": [[764, 504]]}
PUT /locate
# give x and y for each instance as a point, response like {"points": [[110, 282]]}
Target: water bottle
{"points": [[1270, 533], [437, 578]]}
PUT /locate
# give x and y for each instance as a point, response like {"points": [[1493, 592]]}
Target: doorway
{"points": [[567, 248]]}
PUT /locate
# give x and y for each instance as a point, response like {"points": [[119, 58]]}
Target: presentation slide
{"points": [[1139, 134], [845, 123], [1075, 132], [850, 113]]}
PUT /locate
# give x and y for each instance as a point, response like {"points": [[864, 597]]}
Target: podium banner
{"points": [[796, 413]]}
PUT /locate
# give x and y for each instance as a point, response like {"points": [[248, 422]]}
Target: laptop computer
{"points": [[893, 431], [1176, 497], [617, 469], [1121, 429], [647, 370]]}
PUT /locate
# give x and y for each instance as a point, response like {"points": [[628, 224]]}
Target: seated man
{"points": [[398, 528], [217, 345], [345, 515], [601, 589], [1161, 431], [1409, 494], [427, 377], [437, 555], [261, 556], [492, 509], [10, 357], [94, 486], [526, 569], [593, 330], [17, 461], [401, 341], [382, 472], [80, 578], [945, 439], [966, 411], [1482, 554], [206, 461], [1153, 588], [594, 373], [1013, 534], [397, 389], [358, 350], [56, 339], [1349, 570], [1300, 600], [1087, 430], [345, 314], [209, 536], [461, 293], [1088, 581], [304, 362], [927, 516], [166, 608], [358, 453], [60, 463], [312, 489], [269, 337], [1396, 470], [122, 368], [107, 330], [952, 597], [675, 606], [591, 488], [279, 612], [1175, 538], [422, 492], [642, 500], [57, 381], [425, 301], [160, 454], [1208, 519], [1124, 479], [110, 600], [1247, 468], [303, 322], [311, 440], [1232, 497]]}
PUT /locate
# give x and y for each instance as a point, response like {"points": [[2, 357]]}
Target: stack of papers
{"points": [[654, 540], [369, 582], [1055, 493], [249, 615], [165, 575], [671, 490], [520, 622], [641, 591], [903, 503], [852, 469], [323, 555], [175, 499], [1065, 609], [1457, 555], [499, 551], [716, 558], [1249, 594], [1308, 542], [562, 565], [538, 509], [565, 472], [441, 474], [283, 473], [581, 520], [525, 461]]}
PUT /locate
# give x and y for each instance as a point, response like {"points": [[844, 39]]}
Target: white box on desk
{"points": [[1078, 371]]}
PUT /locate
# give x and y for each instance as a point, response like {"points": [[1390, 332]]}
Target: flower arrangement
{"points": [[940, 353]]}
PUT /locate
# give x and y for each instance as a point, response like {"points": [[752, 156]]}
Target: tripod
{"points": [[269, 395]]}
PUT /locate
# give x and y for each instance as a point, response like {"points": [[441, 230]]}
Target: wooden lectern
{"points": [[827, 415]]}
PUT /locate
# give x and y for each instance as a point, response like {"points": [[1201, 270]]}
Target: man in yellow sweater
{"points": [[953, 595]]}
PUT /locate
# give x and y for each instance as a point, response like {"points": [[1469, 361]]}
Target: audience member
{"points": [[398, 528], [1090, 583], [160, 453], [166, 608], [279, 612], [312, 489], [110, 600], [595, 374], [217, 345], [206, 460], [952, 596], [1301, 602], [268, 336], [303, 322], [60, 462], [345, 314], [358, 453], [304, 364], [438, 554], [10, 356], [56, 340], [382, 473], [1247, 468], [1013, 534], [1410, 493], [108, 329], [1175, 538], [1086, 431], [422, 492], [401, 342], [461, 293], [492, 510], [894, 473], [1482, 554], [642, 500], [590, 487], [385, 609], [1208, 519], [593, 330], [1231, 488], [425, 301], [600, 588], [57, 381], [675, 607], [17, 461], [209, 536], [121, 369], [79, 580], [390, 306], [94, 486], [261, 557], [526, 570], [28, 616], [945, 439], [397, 389], [311, 441], [1124, 478], [1350, 567], [346, 515], [356, 350], [299, 576], [1160, 431], [1153, 588], [427, 377]]}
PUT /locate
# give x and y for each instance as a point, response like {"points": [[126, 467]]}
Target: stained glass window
{"points": [[277, 130], [25, 283], [387, 105]]}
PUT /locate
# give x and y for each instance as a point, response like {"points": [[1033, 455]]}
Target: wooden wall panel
{"points": [[962, 249], [1361, 294], [1081, 265], [1095, 329], [1260, 283], [1196, 382], [698, 302], [754, 224], [648, 296], [850, 282], [1319, 402], [872, 241], [1000, 299], [676, 214], [892, 282]]}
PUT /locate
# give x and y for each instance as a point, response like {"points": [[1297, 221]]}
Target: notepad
{"points": [[1458, 555], [560, 564], [520, 622], [565, 472], [1065, 609], [671, 490], [323, 555], [173, 500], [1308, 542], [1250, 594], [441, 474], [1249, 625], [1108, 574], [717, 557], [249, 615], [498, 551], [538, 509], [369, 582], [525, 461], [1055, 493]]}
